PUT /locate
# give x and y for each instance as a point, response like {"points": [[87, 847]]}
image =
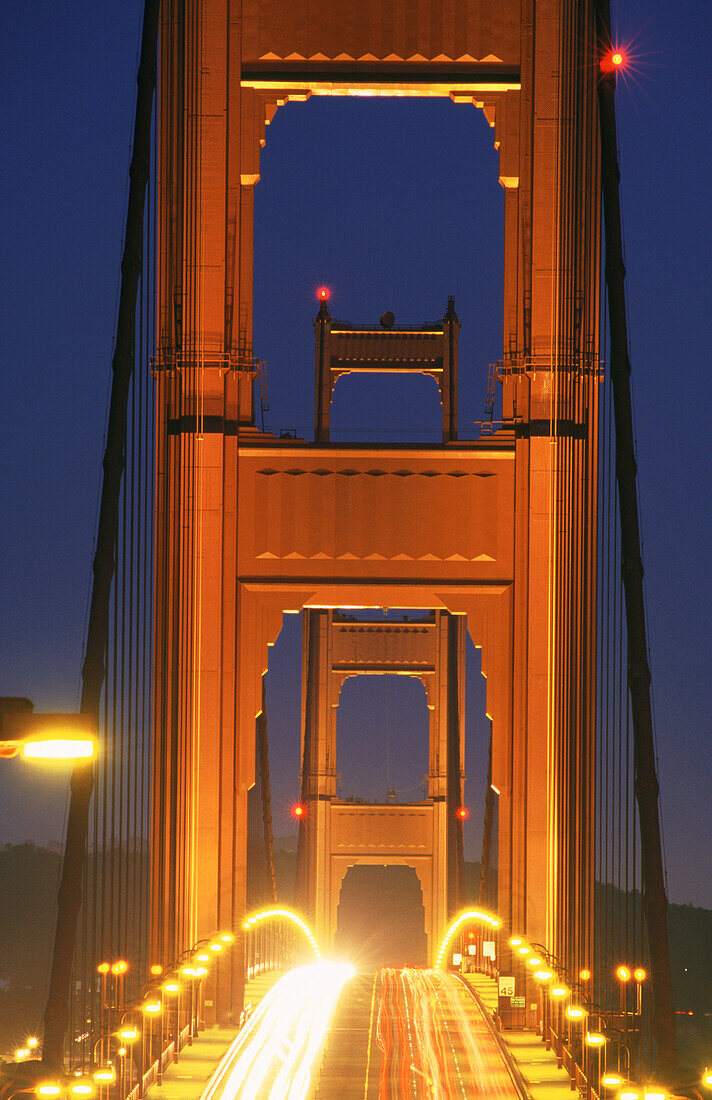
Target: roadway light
{"points": [[103, 968], [656, 1094], [105, 1076], [49, 1088], [227, 937], [560, 991], [534, 962], [171, 987], [640, 975], [543, 975], [595, 1038], [524, 950], [612, 1081], [151, 1008], [628, 1094], [21, 1053], [82, 1088], [156, 970], [57, 748], [119, 968], [203, 957], [623, 973], [514, 941], [707, 1078], [575, 1012], [584, 975], [128, 1034], [216, 947], [33, 1042], [47, 736]]}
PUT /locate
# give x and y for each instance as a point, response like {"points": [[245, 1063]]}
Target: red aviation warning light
{"points": [[613, 61], [323, 294], [463, 813], [297, 810]]}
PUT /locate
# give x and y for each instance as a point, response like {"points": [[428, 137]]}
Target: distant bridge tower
{"points": [[502, 531], [336, 834]]}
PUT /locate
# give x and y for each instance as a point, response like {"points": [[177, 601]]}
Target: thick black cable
{"points": [[646, 783], [82, 781]]}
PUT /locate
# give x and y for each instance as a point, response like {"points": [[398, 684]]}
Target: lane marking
{"points": [[370, 1033]]}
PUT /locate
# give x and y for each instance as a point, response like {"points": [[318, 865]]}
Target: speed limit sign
{"points": [[506, 987]]}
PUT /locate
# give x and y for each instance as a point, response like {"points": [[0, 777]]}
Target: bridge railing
{"points": [[276, 939]]}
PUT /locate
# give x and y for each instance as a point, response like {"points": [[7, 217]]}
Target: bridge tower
{"points": [[501, 531], [336, 834]]}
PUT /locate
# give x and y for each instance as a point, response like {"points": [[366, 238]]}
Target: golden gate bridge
{"points": [[175, 959]]}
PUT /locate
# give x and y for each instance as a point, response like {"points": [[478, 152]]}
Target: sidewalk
{"points": [[186, 1079], [537, 1065]]}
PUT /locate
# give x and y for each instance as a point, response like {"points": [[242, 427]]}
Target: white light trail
{"points": [[274, 1053]]}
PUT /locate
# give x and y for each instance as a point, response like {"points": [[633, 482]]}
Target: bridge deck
{"points": [[454, 1043]]}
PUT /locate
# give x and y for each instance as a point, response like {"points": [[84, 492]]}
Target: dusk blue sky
{"points": [[394, 204]]}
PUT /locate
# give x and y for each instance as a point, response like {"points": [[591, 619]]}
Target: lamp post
{"points": [[172, 989]]}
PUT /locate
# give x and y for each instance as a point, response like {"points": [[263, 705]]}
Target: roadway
{"points": [[324, 1033]]}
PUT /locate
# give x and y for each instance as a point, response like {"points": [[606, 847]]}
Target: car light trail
{"points": [[435, 1044], [274, 1053]]}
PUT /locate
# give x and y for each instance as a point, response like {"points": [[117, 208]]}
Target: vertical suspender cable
{"points": [[646, 782], [263, 755], [82, 782], [483, 895]]}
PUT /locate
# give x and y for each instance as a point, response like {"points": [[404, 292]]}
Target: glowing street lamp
{"points": [[49, 1088], [47, 736], [82, 1088]]}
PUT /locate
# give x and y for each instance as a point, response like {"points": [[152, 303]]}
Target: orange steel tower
{"points": [[336, 834], [500, 531]]}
